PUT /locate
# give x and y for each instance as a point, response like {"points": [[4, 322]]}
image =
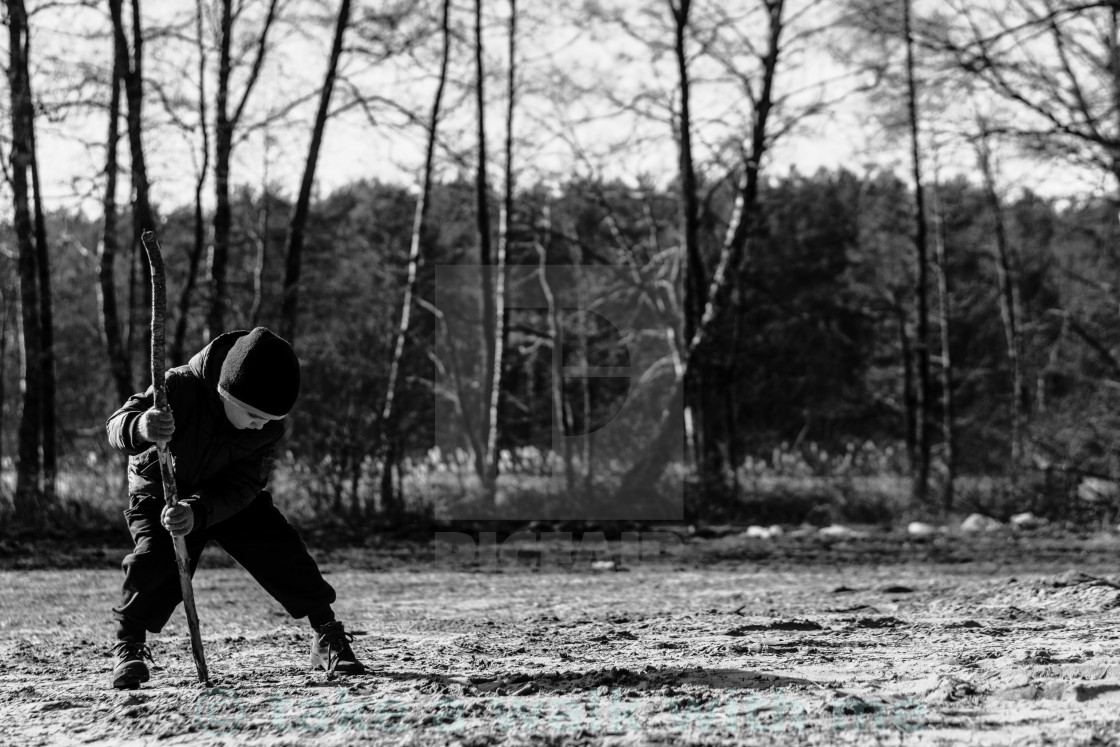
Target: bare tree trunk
{"points": [[485, 255], [198, 247], [4, 308], [223, 150], [389, 432], [560, 429], [587, 456], [48, 434], [1009, 304], [355, 480], [948, 427], [1113, 67], [110, 246], [922, 427], [46, 319], [132, 331], [909, 397], [731, 408], [465, 412], [225, 124], [504, 221], [639, 479], [142, 218], [494, 397], [259, 264], [264, 220], [298, 223], [179, 341], [134, 95], [28, 496], [696, 431], [1041, 395]]}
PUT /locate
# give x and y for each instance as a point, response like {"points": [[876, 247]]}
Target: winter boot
{"points": [[330, 650], [130, 670]]}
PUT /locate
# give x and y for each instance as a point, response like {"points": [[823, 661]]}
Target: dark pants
{"points": [[258, 537]]}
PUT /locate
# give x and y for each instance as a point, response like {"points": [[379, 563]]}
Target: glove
{"points": [[156, 426], [177, 519]]}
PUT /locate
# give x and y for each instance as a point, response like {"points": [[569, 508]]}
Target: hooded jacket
{"points": [[220, 468]]}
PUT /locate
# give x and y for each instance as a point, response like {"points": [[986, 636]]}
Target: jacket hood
{"points": [[206, 364]]}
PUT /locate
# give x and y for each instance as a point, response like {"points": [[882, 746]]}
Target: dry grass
{"points": [[860, 485]]}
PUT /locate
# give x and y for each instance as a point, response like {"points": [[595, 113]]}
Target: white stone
{"points": [[979, 523], [1098, 490], [920, 529], [840, 531], [1027, 520]]}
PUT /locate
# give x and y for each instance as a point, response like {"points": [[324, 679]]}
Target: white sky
{"points": [[71, 146]]}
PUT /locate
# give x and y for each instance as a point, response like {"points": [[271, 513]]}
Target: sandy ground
{"points": [[734, 641]]}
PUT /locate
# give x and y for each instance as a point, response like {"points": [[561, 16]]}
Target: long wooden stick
{"points": [[167, 471]]}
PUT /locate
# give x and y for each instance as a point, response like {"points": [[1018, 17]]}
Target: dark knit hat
{"points": [[261, 370]]}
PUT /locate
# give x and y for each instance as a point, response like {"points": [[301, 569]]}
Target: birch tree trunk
{"points": [[948, 426], [389, 434], [696, 434], [504, 222], [1009, 304], [638, 481]]}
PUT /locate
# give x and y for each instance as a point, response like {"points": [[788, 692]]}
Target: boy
{"points": [[227, 406]]}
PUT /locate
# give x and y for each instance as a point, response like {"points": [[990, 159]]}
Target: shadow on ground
{"points": [[648, 680]]}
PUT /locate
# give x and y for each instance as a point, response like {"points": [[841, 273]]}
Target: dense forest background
{"points": [[926, 329]]}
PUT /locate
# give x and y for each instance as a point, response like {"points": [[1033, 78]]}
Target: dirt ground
{"points": [[734, 640]]}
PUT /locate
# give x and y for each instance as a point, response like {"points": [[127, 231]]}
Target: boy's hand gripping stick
{"points": [[167, 471]]}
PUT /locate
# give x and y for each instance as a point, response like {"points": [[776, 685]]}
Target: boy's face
{"points": [[242, 418]]}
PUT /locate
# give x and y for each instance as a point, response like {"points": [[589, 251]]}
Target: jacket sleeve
{"points": [[122, 424], [235, 487]]}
